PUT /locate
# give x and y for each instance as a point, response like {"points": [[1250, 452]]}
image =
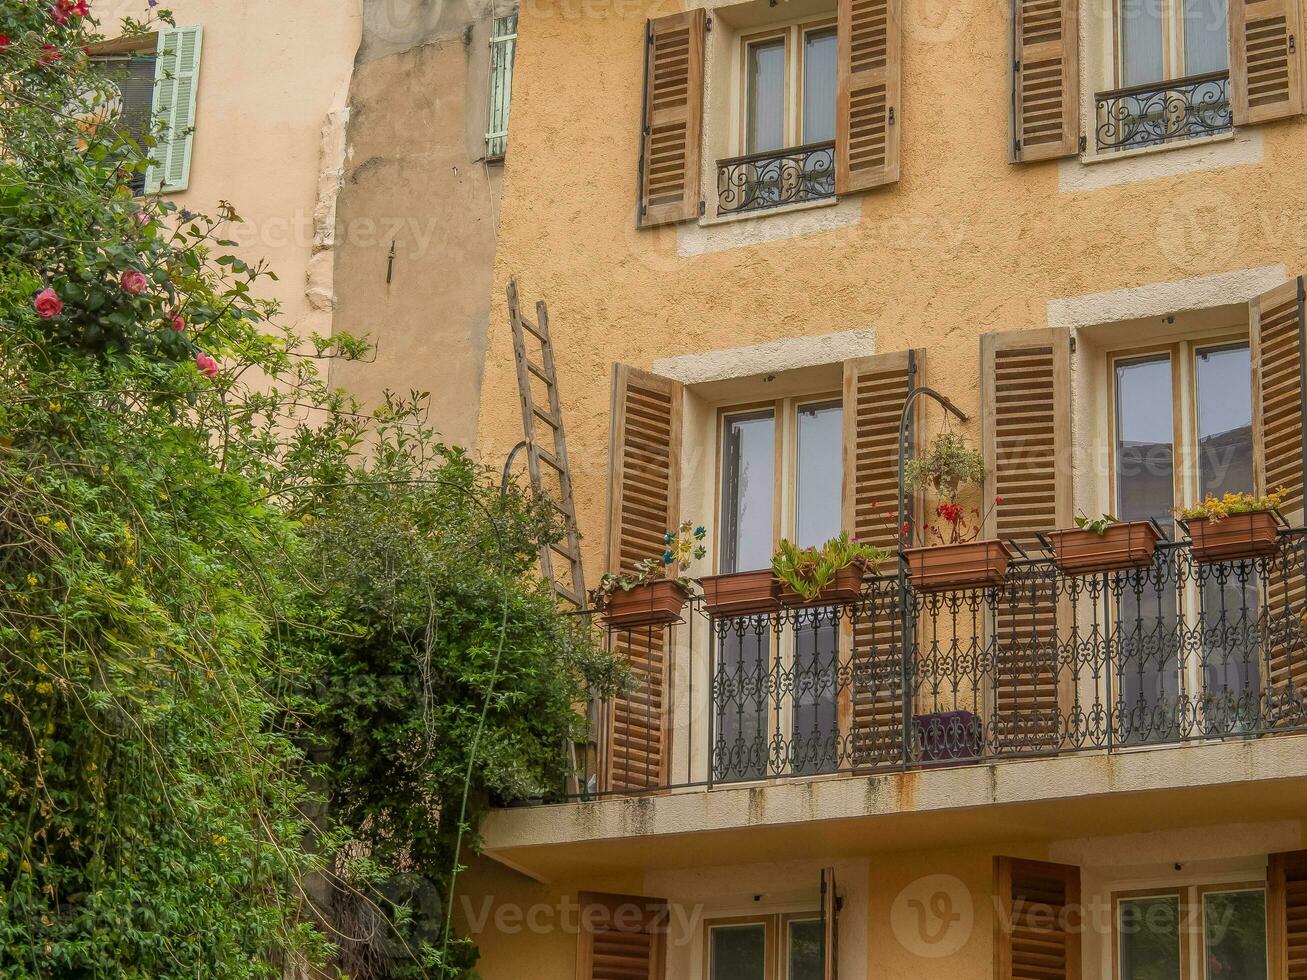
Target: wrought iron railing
{"points": [[1043, 664], [1163, 112], [776, 178]]}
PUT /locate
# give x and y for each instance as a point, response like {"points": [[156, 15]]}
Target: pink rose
{"points": [[133, 282], [207, 365], [142, 218], [47, 304], [176, 322]]}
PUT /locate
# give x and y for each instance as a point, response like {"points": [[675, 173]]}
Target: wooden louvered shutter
{"points": [[1038, 921], [1286, 916], [1026, 440], [1265, 64], [1045, 80], [644, 483], [673, 118], [875, 389], [176, 81], [623, 937], [867, 116], [830, 926], [1278, 337]]}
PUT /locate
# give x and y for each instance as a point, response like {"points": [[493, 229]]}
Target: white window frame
{"points": [[794, 35]]}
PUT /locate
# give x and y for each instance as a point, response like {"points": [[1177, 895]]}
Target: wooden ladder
{"points": [[554, 460]]}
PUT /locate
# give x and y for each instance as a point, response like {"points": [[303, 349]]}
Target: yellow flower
{"points": [[43, 520], [55, 406], [31, 579], [45, 688], [219, 840], [60, 526]]}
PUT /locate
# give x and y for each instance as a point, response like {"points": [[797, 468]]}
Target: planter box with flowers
{"points": [[949, 555], [1104, 544], [647, 597], [827, 576], [1235, 527]]}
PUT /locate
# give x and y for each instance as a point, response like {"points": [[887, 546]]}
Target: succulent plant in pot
{"points": [[828, 575]]}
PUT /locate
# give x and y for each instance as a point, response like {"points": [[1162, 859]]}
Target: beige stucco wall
{"points": [[272, 87], [416, 181], [965, 243], [927, 911]]}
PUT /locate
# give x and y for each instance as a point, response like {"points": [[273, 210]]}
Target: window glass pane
{"points": [[820, 473], [1141, 41], [739, 952], [819, 52], [1206, 45], [1148, 934], [816, 737], [1145, 457], [805, 950], [748, 486], [765, 84], [1234, 935], [1225, 420], [1146, 668], [1230, 650]]}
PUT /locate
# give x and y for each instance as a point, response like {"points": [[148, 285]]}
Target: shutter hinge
{"points": [[707, 23], [1073, 343], [1016, 147], [1016, 65], [891, 115], [703, 207], [1291, 44], [1084, 143]]}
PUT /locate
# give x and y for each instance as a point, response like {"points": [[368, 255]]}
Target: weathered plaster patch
{"points": [[1075, 175], [775, 355], [1162, 298], [696, 239], [319, 280]]}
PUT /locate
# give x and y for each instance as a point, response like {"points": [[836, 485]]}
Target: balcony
{"points": [[761, 181], [1043, 665], [1163, 112]]}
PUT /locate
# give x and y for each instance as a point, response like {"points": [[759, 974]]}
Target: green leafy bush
{"points": [[809, 570]]}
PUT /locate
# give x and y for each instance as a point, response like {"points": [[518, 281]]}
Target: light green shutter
{"points": [[176, 77], [503, 48]]}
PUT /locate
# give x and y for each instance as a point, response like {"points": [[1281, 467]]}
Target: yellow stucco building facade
{"points": [[1083, 223]]}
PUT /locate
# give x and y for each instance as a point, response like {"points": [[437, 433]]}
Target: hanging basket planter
{"points": [[1131, 544], [1232, 538], [741, 593], [648, 604], [844, 588], [973, 565]]}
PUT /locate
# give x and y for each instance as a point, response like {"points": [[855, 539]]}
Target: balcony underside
{"points": [[1193, 785]]}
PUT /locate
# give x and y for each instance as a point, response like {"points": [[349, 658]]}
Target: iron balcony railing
{"points": [[1043, 664], [1163, 112], [776, 178]]}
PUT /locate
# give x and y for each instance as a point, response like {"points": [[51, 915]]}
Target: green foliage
{"points": [[949, 464], [221, 586], [809, 570], [430, 608], [1096, 525]]}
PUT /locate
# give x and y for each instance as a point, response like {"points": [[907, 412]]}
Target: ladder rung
{"points": [[550, 458], [569, 595], [547, 418], [565, 551], [539, 372], [531, 328]]}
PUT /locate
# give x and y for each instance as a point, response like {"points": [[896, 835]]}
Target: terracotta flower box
{"points": [[650, 604], [844, 588], [973, 565], [1233, 538], [1125, 545], [741, 593]]}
